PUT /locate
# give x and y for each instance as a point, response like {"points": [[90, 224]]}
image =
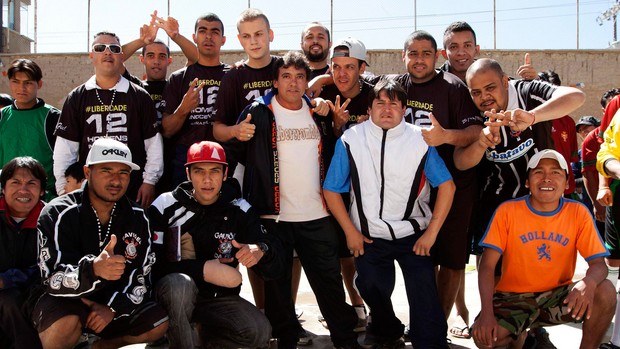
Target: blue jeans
{"points": [[376, 276], [227, 322]]}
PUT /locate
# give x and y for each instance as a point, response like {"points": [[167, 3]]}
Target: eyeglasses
{"points": [[114, 48]]}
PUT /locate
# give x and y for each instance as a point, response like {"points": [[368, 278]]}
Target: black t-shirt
{"points": [[358, 105], [154, 88], [507, 163], [240, 87], [131, 119], [199, 124], [316, 72]]}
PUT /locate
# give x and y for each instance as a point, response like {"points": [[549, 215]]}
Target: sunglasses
{"points": [[114, 48]]}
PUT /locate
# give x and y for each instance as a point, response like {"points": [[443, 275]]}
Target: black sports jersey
{"points": [[316, 72], [358, 105], [508, 161], [130, 119], [240, 87], [154, 88], [199, 124]]}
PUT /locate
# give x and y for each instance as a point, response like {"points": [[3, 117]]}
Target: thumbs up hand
{"points": [[435, 134], [107, 265], [527, 70], [248, 255], [244, 131]]}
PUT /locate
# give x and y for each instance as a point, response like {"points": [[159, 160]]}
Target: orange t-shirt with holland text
{"points": [[540, 248]]}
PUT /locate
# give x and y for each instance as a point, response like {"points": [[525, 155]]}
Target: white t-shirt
{"points": [[298, 155]]}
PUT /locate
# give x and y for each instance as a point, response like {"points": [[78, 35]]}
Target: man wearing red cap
{"points": [[203, 231]]}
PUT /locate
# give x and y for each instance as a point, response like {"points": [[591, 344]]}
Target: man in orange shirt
{"points": [[539, 236]]}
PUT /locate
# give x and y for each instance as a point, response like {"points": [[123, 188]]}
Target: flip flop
{"points": [[460, 331]]}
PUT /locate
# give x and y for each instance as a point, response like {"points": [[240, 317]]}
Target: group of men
{"points": [[360, 172]]}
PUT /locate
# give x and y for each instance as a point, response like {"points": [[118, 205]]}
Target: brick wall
{"points": [[597, 69]]}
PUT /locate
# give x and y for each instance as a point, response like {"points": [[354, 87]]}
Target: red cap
{"points": [[206, 151]]}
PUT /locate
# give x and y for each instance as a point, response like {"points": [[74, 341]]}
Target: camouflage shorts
{"points": [[517, 312]]}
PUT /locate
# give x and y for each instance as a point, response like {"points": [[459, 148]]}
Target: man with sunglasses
{"points": [[108, 105]]}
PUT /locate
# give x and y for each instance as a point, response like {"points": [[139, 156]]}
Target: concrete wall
{"points": [[597, 69]]}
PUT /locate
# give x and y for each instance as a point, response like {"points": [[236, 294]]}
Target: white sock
{"points": [[361, 311], [615, 332]]}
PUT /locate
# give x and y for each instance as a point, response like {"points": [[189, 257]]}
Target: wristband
{"points": [[534, 118], [603, 188]]}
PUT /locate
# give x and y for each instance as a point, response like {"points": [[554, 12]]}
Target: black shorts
{"points": [[50, 309], [452, 246], [612, 219]]}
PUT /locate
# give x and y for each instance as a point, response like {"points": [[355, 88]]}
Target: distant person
{"points": [[608, 165], [564, 134], [74, 175], [23, 181], [27, 125], [538, 237]]}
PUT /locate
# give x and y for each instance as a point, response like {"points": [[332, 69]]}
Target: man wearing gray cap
{"points": [[95, 259]]}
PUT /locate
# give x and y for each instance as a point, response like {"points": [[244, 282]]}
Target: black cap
{"points": [[588, 121]]}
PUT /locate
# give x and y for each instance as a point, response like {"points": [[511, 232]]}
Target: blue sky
{"points": [[380, 24]]}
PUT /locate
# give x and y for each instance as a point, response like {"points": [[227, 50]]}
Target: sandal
{"points": [[460, 331]]}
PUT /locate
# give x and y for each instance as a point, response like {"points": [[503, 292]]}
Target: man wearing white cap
{"points": [[348, 96], [538, 236], [95, 259]]}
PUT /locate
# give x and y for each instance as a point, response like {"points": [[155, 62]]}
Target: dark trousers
{"points": [[316, 243], [375, 282], [16, 330]]}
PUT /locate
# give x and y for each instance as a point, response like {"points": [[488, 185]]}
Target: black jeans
{"points": [[16, 330], [316, 243]]}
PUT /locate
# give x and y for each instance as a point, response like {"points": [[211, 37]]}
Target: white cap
{"points": [[548, 154], [109, 150], [356, 49]]}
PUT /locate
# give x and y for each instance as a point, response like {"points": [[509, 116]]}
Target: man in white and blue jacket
{"points": [[389, 170]]}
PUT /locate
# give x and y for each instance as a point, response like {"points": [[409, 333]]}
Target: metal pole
{"points": [[578, 24], [415, 15], [168, 16], [88, 30], [494, 25], [35, 25], [331, 18]]}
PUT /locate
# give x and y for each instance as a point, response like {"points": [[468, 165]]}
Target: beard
{"points": [[316, 57]]}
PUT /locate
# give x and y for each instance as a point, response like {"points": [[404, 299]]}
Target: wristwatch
{"points": [[263, 247]]}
